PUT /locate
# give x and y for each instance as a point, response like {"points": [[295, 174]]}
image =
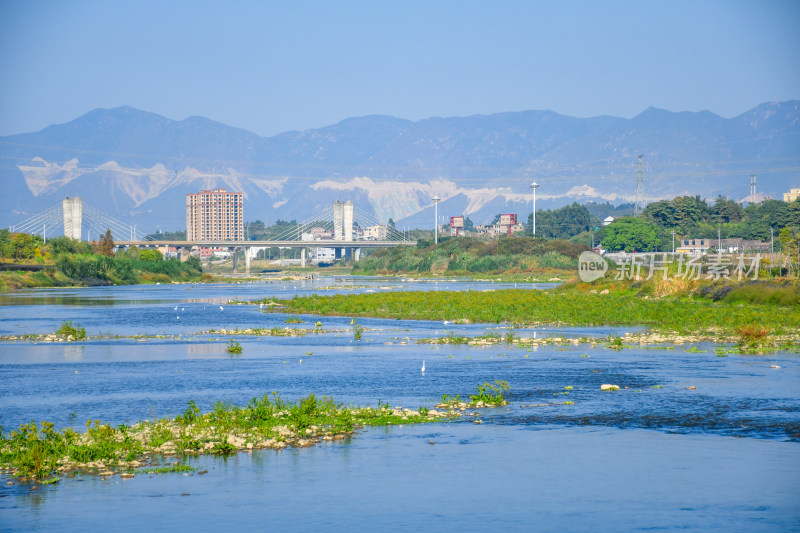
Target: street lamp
{"points": [[436, 201], [533, 187]]}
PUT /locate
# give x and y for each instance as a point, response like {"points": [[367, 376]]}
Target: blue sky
{"points": [[270, 67]]}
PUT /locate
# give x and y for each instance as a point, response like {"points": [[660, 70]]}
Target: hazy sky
{"points": [[269, 67]]}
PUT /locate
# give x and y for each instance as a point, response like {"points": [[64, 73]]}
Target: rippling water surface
{"points": [[654, 455]]}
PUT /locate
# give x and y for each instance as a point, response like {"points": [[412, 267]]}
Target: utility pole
{"points": [[436, 201], [533, 187], [638, 207], [673, 241], [719, 240]]}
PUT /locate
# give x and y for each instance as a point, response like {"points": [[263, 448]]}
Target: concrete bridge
{"points": [[336, 228], [345, 248]]}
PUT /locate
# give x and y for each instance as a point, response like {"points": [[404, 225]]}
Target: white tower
{"points": [[72, 209], [343, 221]]}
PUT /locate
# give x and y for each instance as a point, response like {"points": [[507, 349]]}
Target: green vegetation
{"points": [[171, 469], [490, 393], [358, 330], [41, 453], [234, 347], [695, 218], [657, 304], [68, 330], [69, 262], [632, 235], [468, 255]]}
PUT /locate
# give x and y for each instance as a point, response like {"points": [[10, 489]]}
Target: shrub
{"points": [[67, 330], [234, 347]]}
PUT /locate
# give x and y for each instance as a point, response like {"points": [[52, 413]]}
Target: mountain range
{"points": [[138, 166]]}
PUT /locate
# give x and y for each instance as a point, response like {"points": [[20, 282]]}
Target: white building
{"points": [[376, 233]]}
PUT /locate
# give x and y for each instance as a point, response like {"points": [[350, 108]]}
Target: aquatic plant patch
{"points": [[41, 453], [680, 315]]}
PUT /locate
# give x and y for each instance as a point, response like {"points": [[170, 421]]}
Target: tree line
{"points": [[687, 217]]}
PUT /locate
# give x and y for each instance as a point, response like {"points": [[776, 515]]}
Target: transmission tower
{"points": [[639, 205], [752, 187]]}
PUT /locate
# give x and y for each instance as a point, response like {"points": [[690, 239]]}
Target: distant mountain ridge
{"points": [[138, 166]]}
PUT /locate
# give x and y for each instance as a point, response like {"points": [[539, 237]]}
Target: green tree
{"points": [[725, 210], [106, 246], [793, 214], [683, 213], [23, 246], [773, 213], [150, 255], [564, 222], [789, 241], [632, 235]]}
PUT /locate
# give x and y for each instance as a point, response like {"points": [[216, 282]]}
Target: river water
{"points": [[654, 455]]}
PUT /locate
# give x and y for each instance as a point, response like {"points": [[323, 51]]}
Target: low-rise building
{"points": [[376, 233], [741, 245], [792, 195], [214, 253], [694, 246], [457, 225], [169, 252]]}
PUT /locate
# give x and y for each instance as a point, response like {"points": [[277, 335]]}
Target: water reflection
{"points": [[73, 352]]}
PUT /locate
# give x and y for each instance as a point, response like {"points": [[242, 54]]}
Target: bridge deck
{"points": [[272, 244]]}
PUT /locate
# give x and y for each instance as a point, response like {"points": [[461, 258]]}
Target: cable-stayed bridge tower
{"points": [[72, 209]]}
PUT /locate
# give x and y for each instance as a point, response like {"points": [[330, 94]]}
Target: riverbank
{"points": [[97, 270]]}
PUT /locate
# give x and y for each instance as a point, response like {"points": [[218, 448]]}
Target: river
{"points": [[654, 455]]}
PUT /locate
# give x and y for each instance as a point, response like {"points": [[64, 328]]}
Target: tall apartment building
{"points": [[214, 216]]}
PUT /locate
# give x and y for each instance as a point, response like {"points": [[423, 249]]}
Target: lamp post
{"points": [[533, 187], [436, 201]]}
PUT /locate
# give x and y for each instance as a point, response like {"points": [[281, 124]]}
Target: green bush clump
{"points": [[68, 330], [491, 393]]}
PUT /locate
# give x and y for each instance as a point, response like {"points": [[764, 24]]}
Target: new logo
{"points": [[591, 266]]}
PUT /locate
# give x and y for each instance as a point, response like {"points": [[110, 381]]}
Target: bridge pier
{"points": [[235, 259], [302, 258], [247, 260]]}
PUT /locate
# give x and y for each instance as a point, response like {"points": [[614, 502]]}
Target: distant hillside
{"points": [[138, 166]]}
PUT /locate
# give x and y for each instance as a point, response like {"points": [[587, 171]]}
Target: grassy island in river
{"points": [[42, 454], [668, 307]]}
